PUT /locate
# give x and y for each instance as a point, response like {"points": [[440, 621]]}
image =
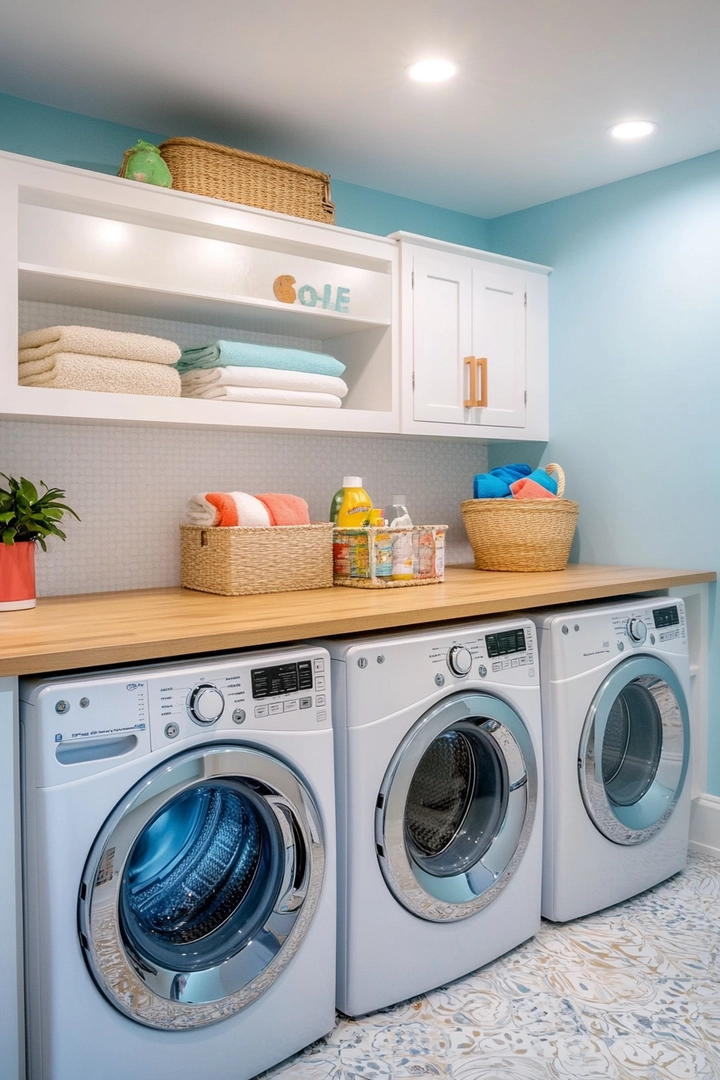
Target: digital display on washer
{"points": [[666, 616], [283, 679], [507, 641]]}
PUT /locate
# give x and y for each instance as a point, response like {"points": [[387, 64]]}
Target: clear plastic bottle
{"points": [[402, 555], [399, 516]]}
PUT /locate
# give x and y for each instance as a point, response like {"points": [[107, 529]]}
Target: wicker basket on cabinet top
{"points": [[221, 172]]}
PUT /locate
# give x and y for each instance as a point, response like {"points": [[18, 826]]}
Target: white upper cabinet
{"points": [[81, 247], [474, 342]]}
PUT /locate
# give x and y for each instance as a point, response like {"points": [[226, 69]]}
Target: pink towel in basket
{"points": [[525, 488], [285, 509]]}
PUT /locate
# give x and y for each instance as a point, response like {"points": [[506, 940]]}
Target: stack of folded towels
{"points": [[517, 481], [227, 508], [263, 374], [111, 361]]}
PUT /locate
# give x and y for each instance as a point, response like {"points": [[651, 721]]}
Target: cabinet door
{"points": [[498, 322], [442, 337], [468, 314]]}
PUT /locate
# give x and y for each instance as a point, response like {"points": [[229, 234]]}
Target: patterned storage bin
{"points": [[376, 556]]}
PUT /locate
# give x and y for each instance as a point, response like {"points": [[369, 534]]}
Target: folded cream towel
{"points": [[106, 374], [226, 508], [264, 396], [37, 344], [269, 378]]}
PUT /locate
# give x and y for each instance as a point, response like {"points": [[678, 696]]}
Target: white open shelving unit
{"points": [[108, 245]]}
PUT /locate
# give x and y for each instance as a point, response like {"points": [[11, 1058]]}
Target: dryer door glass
{"points": [[201, 886], [634, 750], [456, 807]]}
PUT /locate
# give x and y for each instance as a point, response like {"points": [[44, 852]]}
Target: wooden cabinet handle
{"points": [[469, 403], [477, 364]]}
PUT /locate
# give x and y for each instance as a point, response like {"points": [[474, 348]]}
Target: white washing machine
{"points": [[615, 686], [179, 862], [439, 760]]}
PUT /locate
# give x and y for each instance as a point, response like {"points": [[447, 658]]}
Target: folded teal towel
{"points": [[244, 354]]}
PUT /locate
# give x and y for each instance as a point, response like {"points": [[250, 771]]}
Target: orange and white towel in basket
{"points": [[226, 508]]}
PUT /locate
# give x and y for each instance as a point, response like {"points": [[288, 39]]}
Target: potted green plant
{"points": [[26, 517]]}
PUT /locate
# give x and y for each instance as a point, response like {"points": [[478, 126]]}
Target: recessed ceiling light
{"points": [[432, 70], [633, 129]]}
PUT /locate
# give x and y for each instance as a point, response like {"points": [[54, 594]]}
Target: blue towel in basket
{"points": [[496, 483]]}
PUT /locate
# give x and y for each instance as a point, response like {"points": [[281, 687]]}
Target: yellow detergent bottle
{"points": [[354, 510]]}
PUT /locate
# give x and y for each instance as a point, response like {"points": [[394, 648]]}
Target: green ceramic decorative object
{"points": [[144, 163]]}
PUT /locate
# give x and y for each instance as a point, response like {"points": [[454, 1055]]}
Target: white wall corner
{"points": [[705, 825]]}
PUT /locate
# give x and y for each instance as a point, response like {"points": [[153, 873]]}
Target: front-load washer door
{"points": [[456, 807], [201, 886], [634, 750]]}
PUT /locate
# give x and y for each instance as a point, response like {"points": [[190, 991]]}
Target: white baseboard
{"points": [[705, 825]]}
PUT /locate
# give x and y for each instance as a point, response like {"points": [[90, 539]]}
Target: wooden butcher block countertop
{"points": [[68, 632]]}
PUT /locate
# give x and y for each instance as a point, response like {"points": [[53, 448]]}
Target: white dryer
{"points": [[615, 685], [179, 867], [439, 759]]}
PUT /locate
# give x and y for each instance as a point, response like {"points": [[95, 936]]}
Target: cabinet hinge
{"points": [[413, 382], [525, 299], [525, 397], [412, 280]]}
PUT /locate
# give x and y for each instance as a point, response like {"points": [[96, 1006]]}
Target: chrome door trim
{"points": [[453, 898], [157, 996], [640, 821]]}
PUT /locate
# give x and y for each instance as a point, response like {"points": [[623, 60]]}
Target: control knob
{"points": [[636, 630], [205, 704], [459, 660]]}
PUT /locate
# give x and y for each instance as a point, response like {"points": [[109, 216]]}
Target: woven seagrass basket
{"points": [[249, 560], [521, 534], [221, 172]]}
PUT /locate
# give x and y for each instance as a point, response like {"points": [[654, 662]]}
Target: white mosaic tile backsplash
{"points": [[130, 483]]}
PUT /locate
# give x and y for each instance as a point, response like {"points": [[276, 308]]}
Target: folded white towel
{"points": [[269, 378], [264, 396], [89, 340], [105, 374], [210, 508]]}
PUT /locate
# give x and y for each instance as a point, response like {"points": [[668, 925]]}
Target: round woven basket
{"points": [[521, 534]]}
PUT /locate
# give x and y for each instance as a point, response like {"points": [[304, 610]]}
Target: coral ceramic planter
{"points": [[17, 576]]}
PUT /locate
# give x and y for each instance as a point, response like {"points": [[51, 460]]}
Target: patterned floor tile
{"points": [[629, 994]]}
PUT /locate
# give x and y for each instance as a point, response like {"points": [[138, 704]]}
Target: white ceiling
{"points": [[322, 83]]}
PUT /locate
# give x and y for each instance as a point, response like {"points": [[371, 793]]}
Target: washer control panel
{"points": [[99, 718], [505, 653], [286, 693], [587, 638], [653, 625]]}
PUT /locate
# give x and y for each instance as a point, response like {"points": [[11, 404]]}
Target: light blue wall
{"points": [[635, 369], [57, 135]]}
